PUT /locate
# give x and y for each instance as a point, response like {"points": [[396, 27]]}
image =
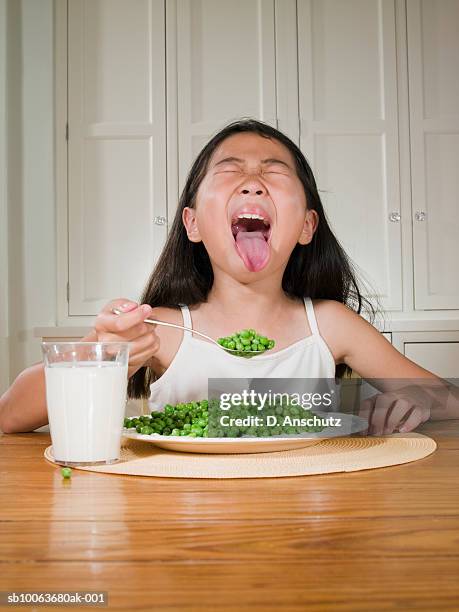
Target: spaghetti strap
{"points": [[311, 316], [187, 322]]}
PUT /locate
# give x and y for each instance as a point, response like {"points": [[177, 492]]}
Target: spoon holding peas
{"points": [[247, 343]]}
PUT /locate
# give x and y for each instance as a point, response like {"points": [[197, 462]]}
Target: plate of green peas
{"points": [[185, 428]]}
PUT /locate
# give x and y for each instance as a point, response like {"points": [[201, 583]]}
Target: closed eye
{"points": [[224, 171], [265, 172]]}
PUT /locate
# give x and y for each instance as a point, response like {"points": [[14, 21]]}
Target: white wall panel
{"points": [[441, 358], [30, 178], [223, 65], [433, 63], [349, 130], [117, 165]]}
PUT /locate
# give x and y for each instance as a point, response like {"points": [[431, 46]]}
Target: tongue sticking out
{"points": [[253, 250]]}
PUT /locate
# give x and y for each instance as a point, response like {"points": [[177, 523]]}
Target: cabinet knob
{"points": [[395, 216], [420, 215], [160, 220]]}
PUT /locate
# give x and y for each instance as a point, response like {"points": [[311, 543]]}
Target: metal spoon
{"points": [[193, 331]]}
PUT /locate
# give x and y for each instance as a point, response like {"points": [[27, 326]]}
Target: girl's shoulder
{"points": [[325, 313], [329, 311], [359, 344], [336, 322]]}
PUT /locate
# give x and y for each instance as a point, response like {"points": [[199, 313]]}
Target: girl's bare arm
{"points": [[358, 344]]}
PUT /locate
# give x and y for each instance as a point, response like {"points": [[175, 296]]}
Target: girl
{"points": [[250, 247]]}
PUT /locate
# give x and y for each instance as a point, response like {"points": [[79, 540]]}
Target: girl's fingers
{"points": [[419, 415], [141, 358], [138, 331], [400, 411], [142, 329], [146, 344], [383, 406], [119, 324], [120, 304], [365, 412]]}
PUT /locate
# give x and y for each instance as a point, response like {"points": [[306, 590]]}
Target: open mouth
{"points": [[251, 233], [247, 222]]}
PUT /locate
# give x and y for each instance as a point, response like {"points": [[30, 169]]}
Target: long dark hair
{"points": [[183, 273]]}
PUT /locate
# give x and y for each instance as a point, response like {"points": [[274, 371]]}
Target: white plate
{"points": [[349, 424]]}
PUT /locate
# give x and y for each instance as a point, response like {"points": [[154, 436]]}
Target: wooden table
{"points": [[385, 539]]}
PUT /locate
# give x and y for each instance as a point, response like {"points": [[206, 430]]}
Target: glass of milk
{"points": [[86, 386]]}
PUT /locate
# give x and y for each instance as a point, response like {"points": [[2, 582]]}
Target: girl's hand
{"points": [[394, 411], [129, 327]]}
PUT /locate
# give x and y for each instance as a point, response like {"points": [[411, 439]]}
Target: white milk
{"points": [[86, 404]]}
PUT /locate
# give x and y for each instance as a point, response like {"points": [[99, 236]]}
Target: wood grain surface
{"points": [[385, 539]]}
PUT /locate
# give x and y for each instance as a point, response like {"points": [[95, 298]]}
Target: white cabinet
{"points": [[437, 351], [433, 58], [221, 66], [349, 129], [116, 146], [441, 358], [150, 82], [343, 69]]}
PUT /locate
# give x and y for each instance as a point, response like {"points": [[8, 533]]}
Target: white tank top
{"points": [[186, 379]]}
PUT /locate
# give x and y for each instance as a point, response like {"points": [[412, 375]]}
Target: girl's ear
{"points": [[310, 225], [191, 226]]}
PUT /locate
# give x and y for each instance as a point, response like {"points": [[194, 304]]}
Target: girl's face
{"points": [[251, 207]]}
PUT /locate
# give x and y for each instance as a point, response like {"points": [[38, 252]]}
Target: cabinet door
{"points": [[433, 59], [116, 160], [221, 67], [349, 130], [441, 358]]}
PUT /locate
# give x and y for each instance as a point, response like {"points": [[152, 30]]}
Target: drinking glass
{"points": [[86, 396]]}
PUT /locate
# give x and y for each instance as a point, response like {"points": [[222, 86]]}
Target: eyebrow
{"points": [[269, 160]]}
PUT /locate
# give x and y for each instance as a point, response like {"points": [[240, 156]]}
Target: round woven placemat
{"points": [[327, 456]]}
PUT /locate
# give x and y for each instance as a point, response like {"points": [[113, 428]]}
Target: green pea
{"points": [[66, 472], [146, 430]]}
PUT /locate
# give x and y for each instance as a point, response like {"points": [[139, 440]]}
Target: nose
{"points": [[252, 185]]}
